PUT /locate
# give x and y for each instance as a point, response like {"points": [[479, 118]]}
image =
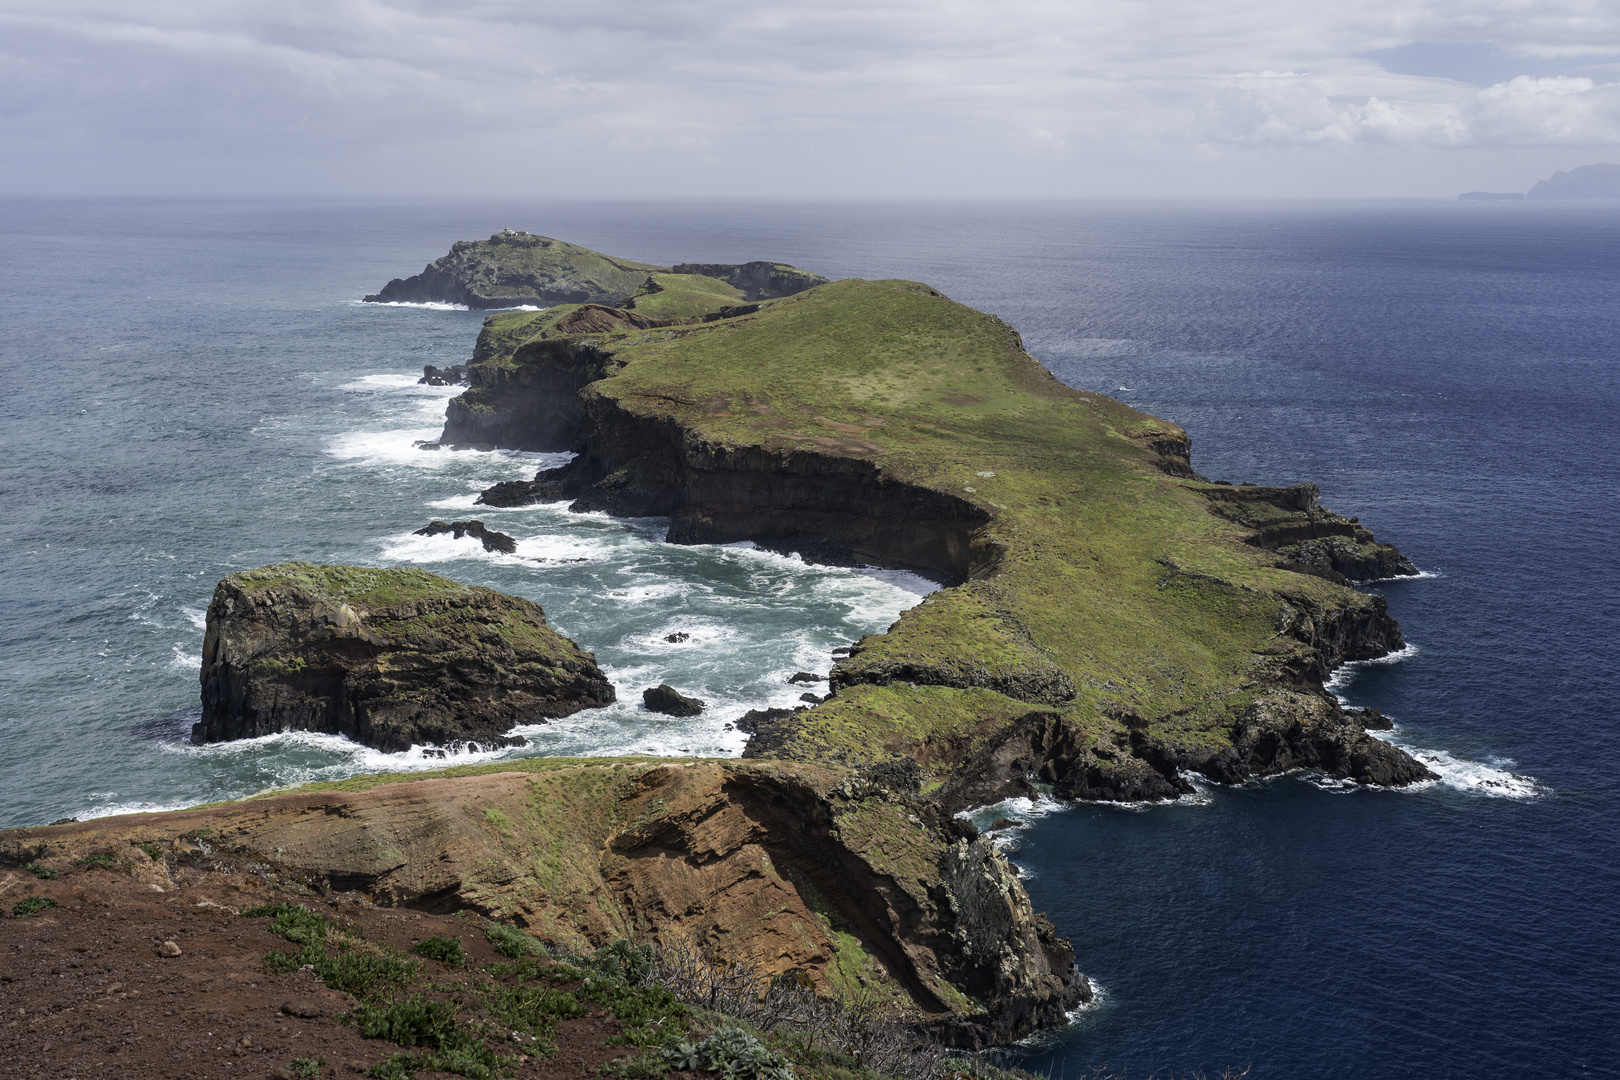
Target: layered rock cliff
{"points": [[388, 658], [847, 879]]}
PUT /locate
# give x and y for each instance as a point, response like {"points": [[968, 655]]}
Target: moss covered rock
{"points": [[389, 658]]}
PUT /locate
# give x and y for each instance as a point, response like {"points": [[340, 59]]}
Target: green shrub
{"points": [[732, 1052], [452, 1047], [533, 1010], [415, 1021], [307, 1067], [367, 974], [638, 1067], [341, 960], [31, 905], [476, 1063], [42, 872], [90, 862], [154, 852], [510, 941], [446, 950], [622, 960]]}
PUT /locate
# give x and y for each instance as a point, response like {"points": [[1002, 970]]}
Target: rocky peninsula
{"points": [[1112, 619]]}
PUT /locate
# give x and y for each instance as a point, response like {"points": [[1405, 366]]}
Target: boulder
{"points": [[664, 698], [388, 658]]}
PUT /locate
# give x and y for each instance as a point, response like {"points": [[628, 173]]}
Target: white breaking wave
{"points": [[1021, 810], [427, 305], [456, 502], [340, 757], [1346, 673], [1492, 777]]}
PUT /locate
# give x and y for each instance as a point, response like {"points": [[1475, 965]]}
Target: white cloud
{"points": [[1525, 111], [886, 96]]}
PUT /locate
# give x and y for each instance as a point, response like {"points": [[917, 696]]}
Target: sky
{"points": [[831, 98]]}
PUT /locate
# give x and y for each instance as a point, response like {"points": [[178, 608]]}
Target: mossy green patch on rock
{"points": [[390, 658]]}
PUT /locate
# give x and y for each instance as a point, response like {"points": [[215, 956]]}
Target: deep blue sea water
{"points": [[192, 390]]}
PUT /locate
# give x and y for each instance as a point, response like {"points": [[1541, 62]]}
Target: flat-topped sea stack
{"points": [[388, 658], [1113, 619]]}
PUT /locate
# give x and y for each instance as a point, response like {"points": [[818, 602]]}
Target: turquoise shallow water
{"points": [[193, 391]]}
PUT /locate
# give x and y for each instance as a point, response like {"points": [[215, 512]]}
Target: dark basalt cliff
{"points": [[388, 658]]}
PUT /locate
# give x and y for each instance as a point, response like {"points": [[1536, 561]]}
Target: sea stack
{"points": [[388, 658]]}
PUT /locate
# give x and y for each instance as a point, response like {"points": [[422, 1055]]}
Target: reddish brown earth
{"points": [[85, 993]]}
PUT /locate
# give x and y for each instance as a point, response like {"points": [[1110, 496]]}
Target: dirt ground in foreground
{"points": [[86, 994]]}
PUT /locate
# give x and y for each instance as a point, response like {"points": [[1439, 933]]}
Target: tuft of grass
{"points": [[415, 1021], [31, 905], [91, 862], [44, 873], [446, 950], [342, 960], [450, 1047], [532, 1010], [153, 851]]}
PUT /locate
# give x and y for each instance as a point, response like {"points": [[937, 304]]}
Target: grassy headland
{"points": [[1097, 578]]}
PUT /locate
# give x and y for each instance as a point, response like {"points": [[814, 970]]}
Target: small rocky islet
{"points": [[1111, 621]]}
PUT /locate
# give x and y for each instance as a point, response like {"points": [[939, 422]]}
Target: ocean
{"points": [[194, 390]]}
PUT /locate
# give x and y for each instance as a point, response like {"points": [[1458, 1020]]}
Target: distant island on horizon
{"points": [[1586, 182]]}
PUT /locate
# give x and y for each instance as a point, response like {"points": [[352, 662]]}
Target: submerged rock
{"points": [[664, 698], [492, 540], [388, 658]]}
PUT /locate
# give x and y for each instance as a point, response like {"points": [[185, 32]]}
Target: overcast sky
{"points": [[832, 97]]}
